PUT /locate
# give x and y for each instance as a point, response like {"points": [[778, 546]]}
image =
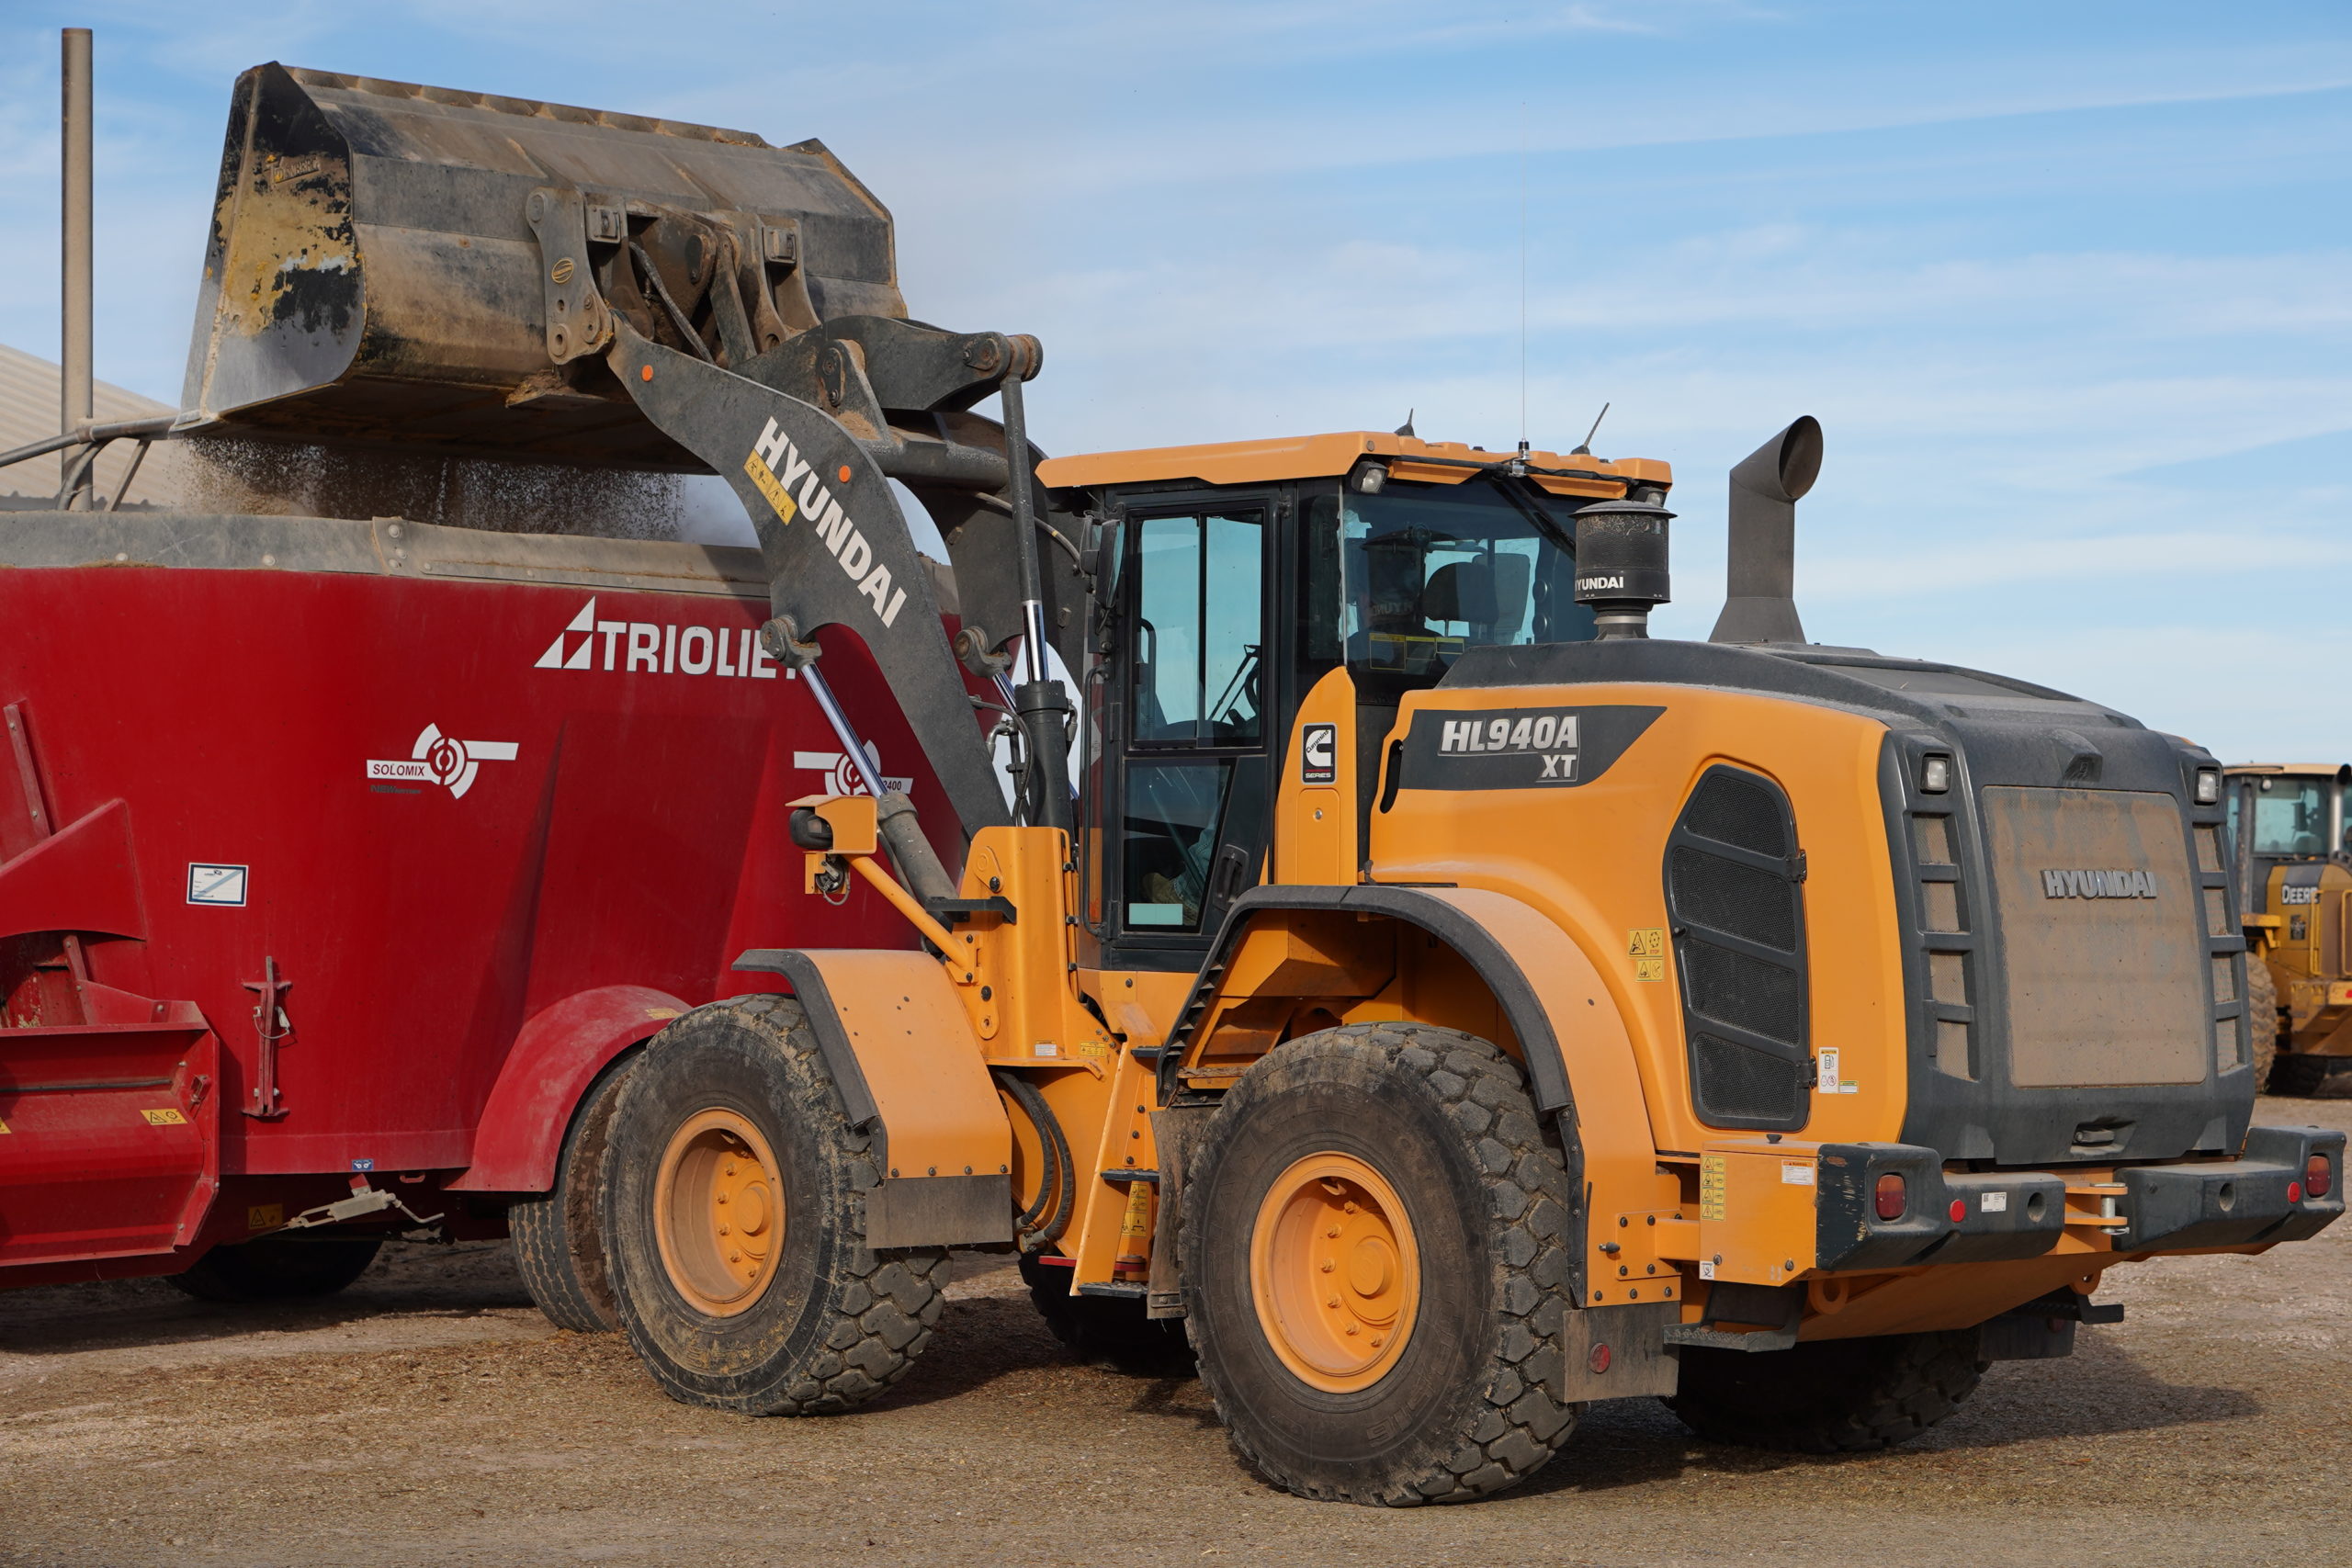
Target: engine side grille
{"points": [[1734, 1085], [1732, 888]]}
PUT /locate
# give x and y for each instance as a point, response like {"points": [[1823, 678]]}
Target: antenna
{"points": [[1584, 448], [1522, 280]]}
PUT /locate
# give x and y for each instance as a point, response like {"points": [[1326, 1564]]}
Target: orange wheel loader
{"points": [[1394, 979]]}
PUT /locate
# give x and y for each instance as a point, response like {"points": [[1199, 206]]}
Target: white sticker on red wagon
{"points": [[220, 884]]}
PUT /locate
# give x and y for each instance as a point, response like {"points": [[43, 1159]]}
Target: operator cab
{"points": [[1235, 578], [2298, 810]]}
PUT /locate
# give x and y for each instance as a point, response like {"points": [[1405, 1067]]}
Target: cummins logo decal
{"points": [[1522, 748], [795, 488], [2098, 885]]}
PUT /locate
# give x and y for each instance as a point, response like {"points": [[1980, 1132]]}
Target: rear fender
{"points": [[901, 1051], [1562, 1019], [558, 1056]]}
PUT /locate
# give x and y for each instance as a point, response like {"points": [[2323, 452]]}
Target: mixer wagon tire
{"points": [[1828, 1395], [285, 1266], [1374, 1244], [559, 1246], [1107, 1328], [2262, 1018], [733, 1207]]}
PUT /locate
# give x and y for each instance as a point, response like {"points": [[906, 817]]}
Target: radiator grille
{"points": [[2106, 973]]}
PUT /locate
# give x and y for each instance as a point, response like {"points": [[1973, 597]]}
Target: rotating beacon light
{"points": [[1622, 561]]}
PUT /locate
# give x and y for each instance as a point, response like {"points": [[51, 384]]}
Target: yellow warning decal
{"points": [[1137, 1219], [1712, 1177], [1090, 1048], [265, 1217], [4, 1127], [164, 1119], [1645, 945], [771, 487]]}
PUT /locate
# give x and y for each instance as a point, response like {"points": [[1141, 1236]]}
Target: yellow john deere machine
{"points": [[1428, 1000], [2293, 869]]}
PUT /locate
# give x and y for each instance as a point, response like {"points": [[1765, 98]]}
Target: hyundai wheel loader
{"points": [[2295, 870], [1394, 978]]}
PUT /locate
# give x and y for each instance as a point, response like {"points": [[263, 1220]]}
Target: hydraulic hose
{"points": [[1059, 1177]]}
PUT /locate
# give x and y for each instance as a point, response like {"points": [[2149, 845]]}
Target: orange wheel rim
{"points": [[719, 1212], [1335, 1273]]}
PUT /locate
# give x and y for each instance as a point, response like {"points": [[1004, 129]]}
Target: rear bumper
{"points": [[2259, 1196], [1951, 1217]]}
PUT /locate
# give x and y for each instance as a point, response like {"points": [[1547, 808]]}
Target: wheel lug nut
{"points": [[1353, 1330], [1333, 1302], [1329, 1266], [1333, 1231], [1348, 1207]]}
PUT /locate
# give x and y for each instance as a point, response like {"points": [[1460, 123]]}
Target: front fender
{"points": [[902, 1053]]}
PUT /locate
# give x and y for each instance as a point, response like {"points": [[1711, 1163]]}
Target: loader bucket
{"points": [[373, 277]]}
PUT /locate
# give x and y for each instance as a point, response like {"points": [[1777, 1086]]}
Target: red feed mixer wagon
{"points": [[343, 862]]}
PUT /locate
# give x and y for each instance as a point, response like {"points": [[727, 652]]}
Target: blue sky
{"points": [[2066, 284]]}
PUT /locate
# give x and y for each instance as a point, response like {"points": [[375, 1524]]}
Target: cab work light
{"points": [[1935, 773]]}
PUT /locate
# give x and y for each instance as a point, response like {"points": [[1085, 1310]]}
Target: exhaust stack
{"points": [[77, 381], [1759, 603]]}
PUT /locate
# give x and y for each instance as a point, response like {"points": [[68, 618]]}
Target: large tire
{"points": [[729, 1105], [559, 1246], [2262, 1018], [1828, 1395], [1107, 1328], [1417, 1147], [288, 1266]]}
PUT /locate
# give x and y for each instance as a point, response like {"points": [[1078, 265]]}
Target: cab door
{"points": [[1186, 806]]}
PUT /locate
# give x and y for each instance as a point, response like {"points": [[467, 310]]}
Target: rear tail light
{"points": [[1892, 1198], [2318, 1178]]}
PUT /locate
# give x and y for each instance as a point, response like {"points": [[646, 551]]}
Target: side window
{"points": [[1197, 707], [1199, 631]]}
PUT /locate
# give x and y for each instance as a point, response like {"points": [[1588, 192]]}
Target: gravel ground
{"points": [[430, 1416]]}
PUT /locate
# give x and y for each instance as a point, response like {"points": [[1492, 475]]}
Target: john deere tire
{"points": [[1107, 1328], [1376, 1268], [284, 1267], [2262, 1018], [1829, 1396], [558, 1247], [733, 1209]]}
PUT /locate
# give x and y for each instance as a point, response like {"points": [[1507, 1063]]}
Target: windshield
{"points": [[2290, 816], [1429, 571]]}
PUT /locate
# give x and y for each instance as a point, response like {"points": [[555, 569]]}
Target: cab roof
{"points": [[1331, 456], [2293, 770]]}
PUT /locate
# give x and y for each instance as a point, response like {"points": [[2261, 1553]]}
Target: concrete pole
{"points": [[79, 404]]}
